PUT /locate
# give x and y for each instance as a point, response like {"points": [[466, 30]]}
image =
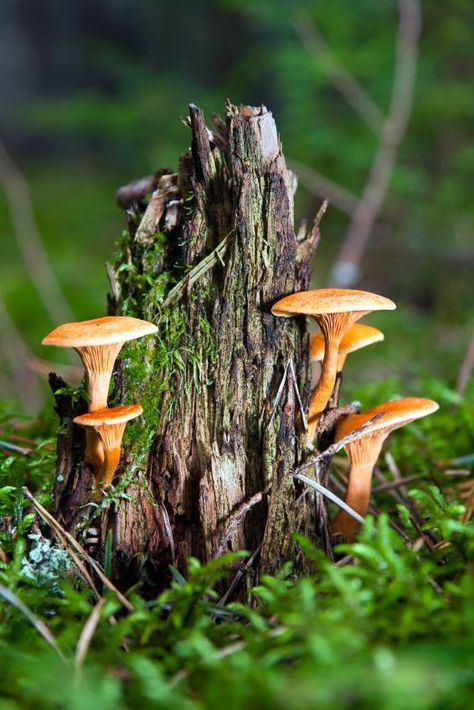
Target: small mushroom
{"points": [[359, 336], [364, 451], [109, 425], [335, 310], [98, 342]]}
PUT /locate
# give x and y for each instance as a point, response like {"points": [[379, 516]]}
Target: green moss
{"points": [[158, 367]]}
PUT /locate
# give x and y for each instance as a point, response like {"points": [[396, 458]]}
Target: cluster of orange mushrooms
{"points": [[98, 343], [336, 311]]}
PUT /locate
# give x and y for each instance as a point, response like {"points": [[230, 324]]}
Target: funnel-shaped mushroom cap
{"points": [[98, 343], [365, 448], [335, 310], [330, 300], [99, 331], [109, 417], [359, 336], [109, 425], [394, 415]]}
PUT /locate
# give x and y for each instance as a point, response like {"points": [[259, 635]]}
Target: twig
{"points": [[198, 270], [346, 560], [223, 653], [16, 449], [39, 625], [338, 445], [243, 569], [61, 532], [236, 517], [469, 509], [396, 484], [342, 79], [29, 240], [279, 393], [330, 495], [466, 368], [320, 214], [169, 532], [347, 266], [297, 392], [324, 187], [86, 636], [43, 368], [15, 353]]}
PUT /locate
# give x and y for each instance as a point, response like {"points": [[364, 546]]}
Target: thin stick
{"points": [[53, 523], [86, 636], [396, 484], [43, 368], [297, 392], [279, 393], [347, 266], [198, 270], [16, 449], [39, 625], [29, 240], [338, 445], [466, 368], [343, 80], [169, 531], [236, 517], [238, 576], [323, 187], [223, 653], [330, 495], [15, 353]]}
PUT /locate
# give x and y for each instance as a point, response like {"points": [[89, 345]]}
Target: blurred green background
{"points": [[91, 95]]}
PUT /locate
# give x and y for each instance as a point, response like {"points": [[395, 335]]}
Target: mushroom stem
{"points": [[333, 327], [98, 389], [323, 390], [98, 362], [363, 456], [107, 471], [94, 453], [357, 497]]}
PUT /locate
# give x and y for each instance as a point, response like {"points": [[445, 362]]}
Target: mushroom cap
{"points": [[99, 331], [356, 338], [330, 300], [103, 417], [394, 414]]}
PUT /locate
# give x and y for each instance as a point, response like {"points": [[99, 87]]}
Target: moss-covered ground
{"points": [[391, 626]]}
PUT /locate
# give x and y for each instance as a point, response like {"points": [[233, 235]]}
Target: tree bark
{"points": [[208, 470]]}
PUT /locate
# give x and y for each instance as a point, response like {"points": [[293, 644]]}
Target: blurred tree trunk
{"points": [[209, 468]]}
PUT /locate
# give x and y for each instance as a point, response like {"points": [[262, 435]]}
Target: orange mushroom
{"points": [[109, 425], [98, 342], [357, 337], [364, 451], [335, 310]]}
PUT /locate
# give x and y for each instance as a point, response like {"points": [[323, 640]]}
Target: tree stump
{"points": [[208, 470]]}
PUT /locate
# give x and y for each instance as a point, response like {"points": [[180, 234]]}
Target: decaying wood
{"points": [[218, 473]]}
